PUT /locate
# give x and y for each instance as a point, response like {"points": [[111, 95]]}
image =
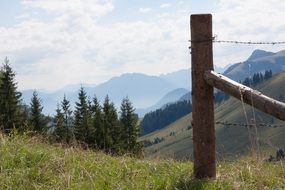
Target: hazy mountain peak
{"points": [[258, 53], [221, 69], [259, 61], [181, 78], [170, 97], [133, 74], [175, 72], [280, 53]]}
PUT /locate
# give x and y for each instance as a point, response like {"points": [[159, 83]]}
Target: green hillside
{"points": [[31, 163], [232, 141]]}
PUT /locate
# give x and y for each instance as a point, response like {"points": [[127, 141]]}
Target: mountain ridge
{"points": [[143, 90], [258, 61], [170, 97], [232, 141]]}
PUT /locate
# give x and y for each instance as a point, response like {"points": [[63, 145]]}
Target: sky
{"points": [[54, 43]]}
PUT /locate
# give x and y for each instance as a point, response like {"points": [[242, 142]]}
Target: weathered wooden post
{"points": [[202, 97]]}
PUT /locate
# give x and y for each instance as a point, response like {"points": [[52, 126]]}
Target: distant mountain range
{"points": [[259, 61], [170, 97], [151, 92], [180, 145], [181, 78], [143, 90]]}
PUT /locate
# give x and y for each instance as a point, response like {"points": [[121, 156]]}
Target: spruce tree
{"points": [[1, 76], [24, 113], [97, 125], [261, 77], [38, 121], [67, 119], [9, 99], [82, 117], [90, 137], [129, 121], [267, 74], [111, 128], [270, 73], [59, 131]]}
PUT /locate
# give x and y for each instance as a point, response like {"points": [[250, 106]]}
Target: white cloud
{"points": [[165, 5], [247, 21], [94, 8], [44, 48], [145, 10], [70, 46]]}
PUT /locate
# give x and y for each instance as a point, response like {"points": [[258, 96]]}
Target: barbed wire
{"points": [[215, 40], [248, 43], [248, 125]]}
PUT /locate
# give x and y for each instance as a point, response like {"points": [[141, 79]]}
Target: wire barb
{"points": [[214, 40], [248, 42], [225, 123]]}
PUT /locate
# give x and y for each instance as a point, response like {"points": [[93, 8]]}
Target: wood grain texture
{"points": [[202, 97], [248, 95]]}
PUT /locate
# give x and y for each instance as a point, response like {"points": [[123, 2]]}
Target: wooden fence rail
{"points": [[204, 79], [249, 96]]}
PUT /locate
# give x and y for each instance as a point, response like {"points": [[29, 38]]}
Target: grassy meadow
{"points": [[31, 163]]}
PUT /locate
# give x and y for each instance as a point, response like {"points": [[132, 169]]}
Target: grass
{"points": [[31, 163]]}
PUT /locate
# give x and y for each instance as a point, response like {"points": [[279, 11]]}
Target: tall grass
{"points": [[30, 163]]}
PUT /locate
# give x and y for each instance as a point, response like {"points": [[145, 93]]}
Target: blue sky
{"points": [[53, 43]]}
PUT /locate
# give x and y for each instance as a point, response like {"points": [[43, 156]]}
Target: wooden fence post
{"points": [[202, 97]]}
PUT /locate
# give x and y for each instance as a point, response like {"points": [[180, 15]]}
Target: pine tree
{"points": [[97, 125], [67, 119], [9, 99], [38, 121], [1, 75], [24, 113], [111, 129], [129, 121], [82, 120], [270, 73], [247, 81], [261, 77], [255, 79], [90, 137], [59, 131], [267, 74]]}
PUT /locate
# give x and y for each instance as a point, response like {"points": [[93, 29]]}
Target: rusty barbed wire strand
{"points": [[247, 125], [215, 40], [249, 42]]}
